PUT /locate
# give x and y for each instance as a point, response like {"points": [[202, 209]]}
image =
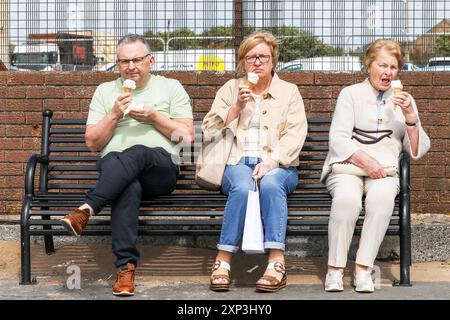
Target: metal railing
{"points": [[308, 29]]}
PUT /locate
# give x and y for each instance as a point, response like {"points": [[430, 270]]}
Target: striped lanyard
{"points": [[379, 119]]}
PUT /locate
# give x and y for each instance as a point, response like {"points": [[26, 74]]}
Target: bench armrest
{"points": [[404, 174], [30, 172]]}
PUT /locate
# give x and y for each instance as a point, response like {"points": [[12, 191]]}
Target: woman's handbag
{"points": [[212, 158], [379, 145], [253, 237], [350, 168]]}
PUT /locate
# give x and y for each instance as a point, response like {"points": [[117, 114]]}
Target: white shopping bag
{"points": [[253, 238]]}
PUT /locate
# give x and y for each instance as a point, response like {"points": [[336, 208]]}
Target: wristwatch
{"points": [[411, 124]]}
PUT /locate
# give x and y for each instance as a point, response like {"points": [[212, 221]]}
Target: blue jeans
{"points": [[273, 190]]}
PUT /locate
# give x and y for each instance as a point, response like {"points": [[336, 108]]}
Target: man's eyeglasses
{"points": [[138, 61], [262, 59]]}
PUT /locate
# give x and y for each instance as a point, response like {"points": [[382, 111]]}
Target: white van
{"points": [[334, 63]]}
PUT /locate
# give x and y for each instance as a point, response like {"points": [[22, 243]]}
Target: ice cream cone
{"points": [[129, 86], [252, 80], [397, 88]]}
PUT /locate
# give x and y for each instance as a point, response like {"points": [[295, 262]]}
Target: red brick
{"points": [[422, 92], [22, 131], [318, 92], [10, 143], [12, 117], [3, 79], [63, 78], [20, 156], [78, 92], [359, 77], [438, 208], [11, 194], [437, 105], [298, 78], [14, 207], [26, 78], [435, 184], [435, 119], [33, 118], [44, 92], [205, 92], [14, 92], [425, 196], [418, 171], [417, 184], [334, 78], [214, 78], [441, 92], [21, 104], [96, 78], [322, 105], [14, 181], [184, 77], [438, 132], [62, 105], [2, 131], [32, 144], [416, 78], [11, 169], [441, 79], [202, 105]]}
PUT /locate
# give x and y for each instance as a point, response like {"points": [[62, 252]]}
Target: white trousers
{"points": [[347, 191]]}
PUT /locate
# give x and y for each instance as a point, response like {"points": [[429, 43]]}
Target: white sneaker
{"points": [[363, 282], [333, 281]]}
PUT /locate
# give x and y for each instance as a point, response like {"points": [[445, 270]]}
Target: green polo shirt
{"points": [[167, 96]]}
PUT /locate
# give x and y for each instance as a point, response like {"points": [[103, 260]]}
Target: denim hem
{"points": [[274, 245], [228, 248]]}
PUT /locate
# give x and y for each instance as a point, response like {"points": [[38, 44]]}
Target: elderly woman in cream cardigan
{"points": [[371, 126]]}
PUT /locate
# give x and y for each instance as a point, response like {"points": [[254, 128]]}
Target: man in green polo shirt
{"points": [[136, 134]]}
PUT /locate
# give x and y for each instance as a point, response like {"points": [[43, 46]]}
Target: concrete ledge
{"points": [[430, 234]]}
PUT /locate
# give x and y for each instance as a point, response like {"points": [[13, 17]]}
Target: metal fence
{"points": [[203, 35]]}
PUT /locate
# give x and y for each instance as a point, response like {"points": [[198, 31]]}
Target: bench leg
{"points": [[405, 230], [48, 240], [25, 248]]}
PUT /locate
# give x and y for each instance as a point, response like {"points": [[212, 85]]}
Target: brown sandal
{"points": [[220, 286], [275, 284]]}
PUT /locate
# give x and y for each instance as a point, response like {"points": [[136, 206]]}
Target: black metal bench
{"points": [[67, 170]]}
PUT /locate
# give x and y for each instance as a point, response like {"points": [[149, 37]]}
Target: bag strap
{"points": [[367, 134]]}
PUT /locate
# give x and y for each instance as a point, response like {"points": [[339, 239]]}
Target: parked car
{"points": [[439, 61], [410, 67]]}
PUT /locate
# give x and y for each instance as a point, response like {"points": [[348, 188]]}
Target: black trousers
{"points": [[125, 179]]}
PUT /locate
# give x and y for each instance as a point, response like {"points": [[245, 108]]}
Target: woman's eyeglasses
{"points": [[262, 59], [138, 61]]}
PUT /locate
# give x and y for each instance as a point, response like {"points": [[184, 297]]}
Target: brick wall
{"points": [[23, 97]]}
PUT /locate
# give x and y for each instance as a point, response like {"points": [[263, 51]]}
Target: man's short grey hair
{"points": [[132, 38]]}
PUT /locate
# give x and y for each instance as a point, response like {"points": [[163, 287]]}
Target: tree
{"points": [[443, 45], [296, 43]]}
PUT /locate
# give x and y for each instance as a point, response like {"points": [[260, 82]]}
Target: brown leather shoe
{"points": [[76, 221], [124, 285]]}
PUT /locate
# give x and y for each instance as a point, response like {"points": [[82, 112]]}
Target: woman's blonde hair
{"points": [[390, 46], [252, 41]]}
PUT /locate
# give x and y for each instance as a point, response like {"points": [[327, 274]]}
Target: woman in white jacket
{"points": [[371, 126]]}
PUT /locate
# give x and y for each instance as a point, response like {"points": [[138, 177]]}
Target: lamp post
{"points": [[406, 30]]}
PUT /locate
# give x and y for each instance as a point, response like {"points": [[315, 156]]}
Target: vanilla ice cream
{"points": [[397, 87], [129, 85], [252, 80]]}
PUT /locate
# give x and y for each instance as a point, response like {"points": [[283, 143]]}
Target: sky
{"points": [[342, 23]]}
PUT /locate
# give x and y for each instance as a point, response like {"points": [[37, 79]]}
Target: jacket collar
{"points": [[276, 88]]}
